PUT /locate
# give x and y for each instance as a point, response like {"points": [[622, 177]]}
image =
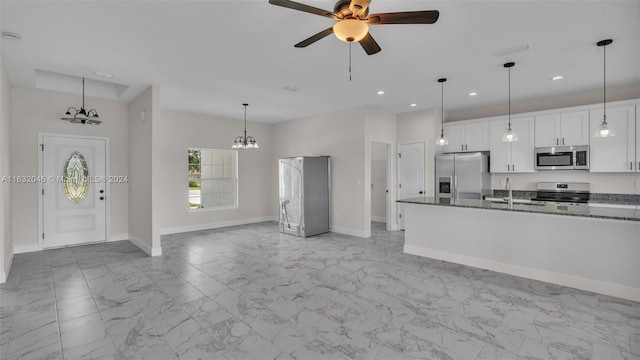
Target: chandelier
{"points": [[244, 141], [82, 116]]}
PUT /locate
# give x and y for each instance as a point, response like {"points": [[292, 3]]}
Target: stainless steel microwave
{"points": [[562, 158]]}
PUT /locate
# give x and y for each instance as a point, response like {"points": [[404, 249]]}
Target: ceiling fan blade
{"points": [[314, 38], [369, 45], [409, 17], [302, 7]]}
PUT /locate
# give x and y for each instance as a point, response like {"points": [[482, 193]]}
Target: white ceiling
{"points": [[211, 56]]}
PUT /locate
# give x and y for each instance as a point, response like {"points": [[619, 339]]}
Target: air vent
{"points": [[512, 50]]}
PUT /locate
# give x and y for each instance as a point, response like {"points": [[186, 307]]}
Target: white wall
{"points": [[142, 114], [178, 131], [379, 180], [380, 126], [423, 126], [6, 242], [340, 135], [34, 111]]}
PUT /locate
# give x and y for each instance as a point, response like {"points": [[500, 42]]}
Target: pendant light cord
{"points": [[604, 85], [83, 93], [442, 109], [245, 123], [509, 99]]}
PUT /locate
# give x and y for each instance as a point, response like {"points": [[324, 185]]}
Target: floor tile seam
{"points": [[95, 303], [570, 336], [55, 304], [6, 351]]}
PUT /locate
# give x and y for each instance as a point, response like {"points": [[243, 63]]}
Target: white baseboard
{"points": [[118, 237], [352, 232], [4, 273], [380, 219], [25, 248], [597, 286], [215, 225], [155, 251]]}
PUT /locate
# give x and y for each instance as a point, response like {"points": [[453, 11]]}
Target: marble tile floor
{"points": [[249, 292]]}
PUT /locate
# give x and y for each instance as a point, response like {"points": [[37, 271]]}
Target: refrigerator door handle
{"points": [[455, 185]]}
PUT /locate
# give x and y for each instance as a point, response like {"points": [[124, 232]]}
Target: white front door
{"points": [[74, 190], [410, 174]]}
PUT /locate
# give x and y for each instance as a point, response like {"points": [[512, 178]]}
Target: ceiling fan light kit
{"points": [[353, 21], [351, 30]]}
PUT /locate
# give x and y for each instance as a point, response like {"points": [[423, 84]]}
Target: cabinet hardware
{"points": [[562, 141], [557, 142], [631, 165], [513, 167], [461, 147]]}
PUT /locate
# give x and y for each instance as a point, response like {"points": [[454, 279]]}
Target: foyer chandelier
{"points": [[82, 116]]}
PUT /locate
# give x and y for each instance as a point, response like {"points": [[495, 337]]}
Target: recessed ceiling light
{"points": [[103, 74], [557, 77], [380, 92], [292, 88], [413, 105], [473, 93], [11, 35]]}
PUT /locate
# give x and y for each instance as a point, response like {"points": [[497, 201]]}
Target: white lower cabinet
{"points": [[616, 153], [513, 157]]}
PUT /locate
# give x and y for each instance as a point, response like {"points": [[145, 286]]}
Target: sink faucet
{"points": [[508, 185]]}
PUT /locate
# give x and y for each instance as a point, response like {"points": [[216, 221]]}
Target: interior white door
{"points": [[74, 193], [410, 174]]}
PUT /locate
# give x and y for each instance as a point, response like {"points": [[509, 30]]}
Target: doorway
{"points": [[380, 183], [73, 191], [410, 174]]}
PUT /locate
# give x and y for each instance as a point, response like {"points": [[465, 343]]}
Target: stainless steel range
{"points": [[568, 193]]}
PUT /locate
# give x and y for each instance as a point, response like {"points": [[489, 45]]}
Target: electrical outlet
{"points": [[503, 182]]}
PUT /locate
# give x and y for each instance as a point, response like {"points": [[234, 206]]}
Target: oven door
{"points": [[549, 159]]}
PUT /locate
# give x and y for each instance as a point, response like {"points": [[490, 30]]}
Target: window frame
{"points": [[235, 178]]}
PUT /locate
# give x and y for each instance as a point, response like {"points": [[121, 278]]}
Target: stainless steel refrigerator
{"points": [[462, 175], [305, 183]]}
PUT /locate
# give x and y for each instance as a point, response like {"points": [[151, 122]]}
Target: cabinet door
{"points": [[476, 137], [574, 128], [616, 153], [500, 151], [455, 135], [547, 130], [522, 150]]}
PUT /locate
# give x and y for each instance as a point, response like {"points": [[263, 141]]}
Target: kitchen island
{"points": [[590, 248]]}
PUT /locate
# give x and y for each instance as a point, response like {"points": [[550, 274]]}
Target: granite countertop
{"points": [[566, 210]]}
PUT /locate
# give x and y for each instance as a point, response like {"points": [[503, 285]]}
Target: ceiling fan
{"points": [[353, 21]]}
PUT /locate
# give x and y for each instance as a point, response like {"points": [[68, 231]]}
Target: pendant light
{"points": [[82, 116], [244, 141], [442, 141], [605, 129], [509, 135]]}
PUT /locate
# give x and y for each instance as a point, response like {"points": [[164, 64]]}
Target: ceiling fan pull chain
{"points": [[350, 60]]}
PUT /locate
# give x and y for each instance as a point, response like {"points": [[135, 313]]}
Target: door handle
{"points": [[420, 192], [101, 197]]}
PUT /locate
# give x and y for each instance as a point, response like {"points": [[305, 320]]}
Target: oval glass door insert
{"points": [[75, 177]]}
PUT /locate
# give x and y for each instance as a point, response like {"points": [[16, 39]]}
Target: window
{"points": [[213, 179]]}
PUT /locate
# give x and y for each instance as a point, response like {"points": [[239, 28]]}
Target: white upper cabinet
{"points": [[616, 153], [565, 129], [467, 136], [513, 157]]}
